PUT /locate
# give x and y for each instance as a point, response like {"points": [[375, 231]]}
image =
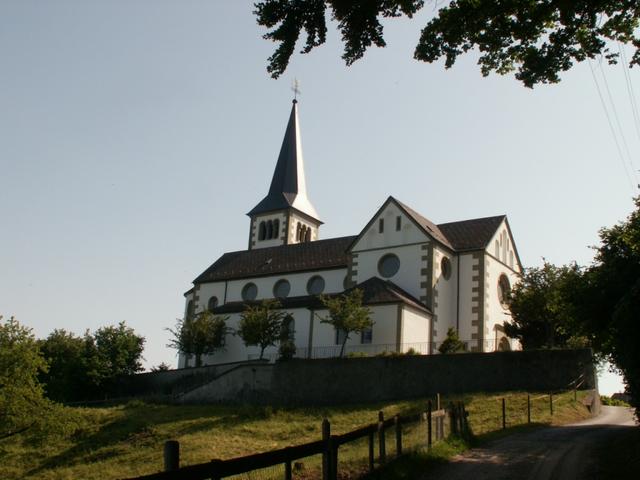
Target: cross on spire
{"points": [[296, 89]]}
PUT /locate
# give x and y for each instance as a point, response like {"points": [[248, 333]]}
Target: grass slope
{"points": [[127, 440]]}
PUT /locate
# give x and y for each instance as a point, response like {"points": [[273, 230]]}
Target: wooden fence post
{"points": [[551, 403], [381, 446], [171, 455], [326, 454], [288, 474], [528, 408], [504, 414], [429, 425], [398, 425], [453, 422]]}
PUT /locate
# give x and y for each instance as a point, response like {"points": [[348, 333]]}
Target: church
{"points": [[418, 279]]}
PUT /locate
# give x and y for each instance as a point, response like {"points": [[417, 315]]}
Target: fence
{"points": [[373, 349], [336, 456]]}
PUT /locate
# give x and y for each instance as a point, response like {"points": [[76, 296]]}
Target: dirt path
{"points": [[546, 454]]}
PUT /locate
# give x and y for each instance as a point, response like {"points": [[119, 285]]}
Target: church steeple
{"points": [[288, 186], [287, 195]]}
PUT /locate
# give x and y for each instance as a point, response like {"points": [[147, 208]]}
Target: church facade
{"points": [[418, 279]]}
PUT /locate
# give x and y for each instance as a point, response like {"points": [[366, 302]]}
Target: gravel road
{"points": [[552, 453]]}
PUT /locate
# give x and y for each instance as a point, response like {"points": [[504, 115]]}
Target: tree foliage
{"points": [[538, 39], [201, 334], [82, 368], [609, 301], [451, 344], [347, 314], [542, 310], [23, 406], [262, 325]]}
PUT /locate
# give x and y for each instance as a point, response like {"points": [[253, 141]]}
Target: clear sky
{"points": [[134, 137]]}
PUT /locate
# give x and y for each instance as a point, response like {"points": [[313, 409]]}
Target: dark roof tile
{"points": [[317, 255], [471, 234]]}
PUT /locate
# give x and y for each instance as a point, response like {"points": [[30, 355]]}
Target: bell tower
{"points": [[285, 216]]}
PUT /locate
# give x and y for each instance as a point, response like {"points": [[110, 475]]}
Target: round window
{"points": [[504, 290], [445, 266], [213, 303], [249, 292], [315, 285], [281, 289], [389, 265]]}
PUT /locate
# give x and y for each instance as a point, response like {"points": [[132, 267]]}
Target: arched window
{"points": [[511, 259], [497, 249], [445, 266], [307, 235], [213, 303], [276, 228], [269, 229], [288, 328], [298, 230], [262, 231], [504, 290]]}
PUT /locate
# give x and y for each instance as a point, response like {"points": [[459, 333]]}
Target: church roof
{"points": [[375, 292], [471, 234], [317, 255], [288, 186], [430, 228]]}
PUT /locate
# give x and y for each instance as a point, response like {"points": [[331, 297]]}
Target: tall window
{"points": [[381, 225], [398, 223], [276, 228], [366, 336], [213, 303], [262, 231], [269, 229], [340, 336], [307, 235]]}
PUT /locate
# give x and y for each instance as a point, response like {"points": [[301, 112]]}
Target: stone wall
{"points": [[369, 379]]}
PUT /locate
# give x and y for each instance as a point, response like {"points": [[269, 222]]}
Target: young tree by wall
{"points": [[347, 314], [452, 343], [262, 325], [201, 334]]}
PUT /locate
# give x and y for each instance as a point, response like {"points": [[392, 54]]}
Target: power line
{"points": [[617, 117], [630, 91], [613, 132]]}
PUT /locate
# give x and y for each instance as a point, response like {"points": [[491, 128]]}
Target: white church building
{"points": [[418, 279]]}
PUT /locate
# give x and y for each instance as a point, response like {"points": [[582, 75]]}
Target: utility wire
{"points": [[613, 132], [617, 117], [630, 91]]}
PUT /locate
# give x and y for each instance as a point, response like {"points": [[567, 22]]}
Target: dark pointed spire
{"points": [[288, 187]]}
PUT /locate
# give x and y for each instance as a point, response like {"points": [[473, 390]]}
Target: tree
{"points": [[542, 310], [262, 325], [81, 368], [347, 314], [452, 343], [608, 303], [201, 334], [23, 406], [66, 377], [120, 349], [536, 39]]}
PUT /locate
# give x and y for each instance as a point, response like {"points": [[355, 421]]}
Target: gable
{"points": [[502, 247], [390, 226]]}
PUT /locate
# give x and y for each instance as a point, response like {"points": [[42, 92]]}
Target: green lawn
{"points": [[127, 440]]}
